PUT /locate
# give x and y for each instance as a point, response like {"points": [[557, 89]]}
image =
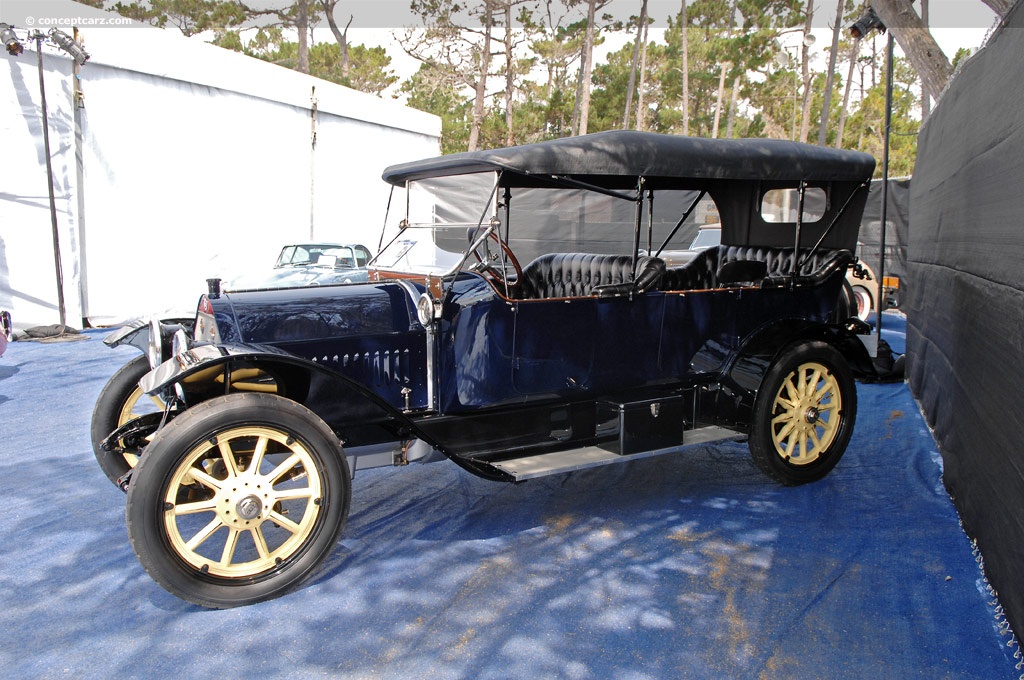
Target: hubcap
{"points": [[241, 503], [806, 414], [249, 508]]}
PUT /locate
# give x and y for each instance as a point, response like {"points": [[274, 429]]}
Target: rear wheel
{"points": [[864, 301], [238, 500], [121, 400], [804, 414]]}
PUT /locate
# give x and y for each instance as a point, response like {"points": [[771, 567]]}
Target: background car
{"points": [[309, 264]]}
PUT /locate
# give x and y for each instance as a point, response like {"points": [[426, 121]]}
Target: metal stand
{"points": [[39, 37]]}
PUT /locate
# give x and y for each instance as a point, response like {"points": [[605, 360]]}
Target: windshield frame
{"points": [[487, 224]]}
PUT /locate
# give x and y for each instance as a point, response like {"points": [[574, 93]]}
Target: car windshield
{"points": [[446, 215], [706, 238], [443, 216], [303, 254]]}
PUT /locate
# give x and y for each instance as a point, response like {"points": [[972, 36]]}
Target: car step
{"points": [[531, 467]]}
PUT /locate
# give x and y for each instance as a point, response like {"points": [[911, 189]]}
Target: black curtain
{"points": [[965, 301]]}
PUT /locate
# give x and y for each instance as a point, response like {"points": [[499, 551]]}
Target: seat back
{"points": [[735, 265], [558, 275]]}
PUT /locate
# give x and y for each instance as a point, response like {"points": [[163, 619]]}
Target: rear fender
{"points": [[733, 398]]}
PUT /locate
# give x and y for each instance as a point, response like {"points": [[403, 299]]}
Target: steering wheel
{"points": [[494, 273]]}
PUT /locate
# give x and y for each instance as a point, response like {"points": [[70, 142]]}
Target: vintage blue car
{"points": [[518, 323]]}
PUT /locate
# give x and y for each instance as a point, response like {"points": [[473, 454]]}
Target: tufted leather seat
{"points": [[704, 270], [557, 275]]}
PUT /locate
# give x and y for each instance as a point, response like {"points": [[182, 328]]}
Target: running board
{"points": [[532, 467]]}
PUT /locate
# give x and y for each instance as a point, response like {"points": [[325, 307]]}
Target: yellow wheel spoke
{"points": [[200, 475], [229, 458], [257, 455], [792, 391], [303, 492], [284, 467], [785, 431], [204, 534], [193, 508], [229, 548], [261, 543], [284, 522], [782, 418]]}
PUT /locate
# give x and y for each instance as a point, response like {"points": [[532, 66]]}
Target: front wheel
{"points": [[120, 401], [238, 500], [804, 414]]}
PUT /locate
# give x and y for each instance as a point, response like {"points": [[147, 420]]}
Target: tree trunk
{"points": [[917, 43], [732, 107], [683, 21], [1000, 7], [481, 80], [641, 122], [632, 69], [339, 35], [805, 59], [581, 113], [510, 137], [854, 53], [721, 95], [826, 106], [302, 26], [926, 101]]}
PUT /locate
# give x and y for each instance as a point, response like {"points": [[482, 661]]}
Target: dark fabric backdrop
{"points": [[965, 302]]}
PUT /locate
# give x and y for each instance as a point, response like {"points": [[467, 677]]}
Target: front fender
{"points": [[358, 415], [136, 333]]}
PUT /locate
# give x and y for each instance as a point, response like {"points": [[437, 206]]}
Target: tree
{"points": [[830, 74], [684, 49], [581, 111], [917, 43], [340, 36], [188, 16], [641, 40]]}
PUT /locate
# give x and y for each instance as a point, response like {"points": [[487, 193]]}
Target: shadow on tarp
{"points": [[685, 566]]}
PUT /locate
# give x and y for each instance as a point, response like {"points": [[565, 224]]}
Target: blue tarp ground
{"points": [[687, 566]]}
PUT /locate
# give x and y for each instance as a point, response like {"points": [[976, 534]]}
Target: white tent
{"points": [[181, 161]]}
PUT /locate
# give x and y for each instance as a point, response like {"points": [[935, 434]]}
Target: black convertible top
{"points": [[619, 155]]}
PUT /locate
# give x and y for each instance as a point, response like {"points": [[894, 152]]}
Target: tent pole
{"points": [[49, 176], [880, 299]]}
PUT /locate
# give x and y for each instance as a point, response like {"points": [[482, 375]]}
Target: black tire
{"points": [[297, 509], [119, 401], [797, 434]]}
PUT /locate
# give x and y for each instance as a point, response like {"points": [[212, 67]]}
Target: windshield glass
{"points": [[446, 215], [442, 219]]}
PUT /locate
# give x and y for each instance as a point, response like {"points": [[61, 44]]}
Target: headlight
{"points": [[426, 309]]}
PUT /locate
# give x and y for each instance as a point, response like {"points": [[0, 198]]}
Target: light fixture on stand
{"points": [[868, 22], [69, 45]]}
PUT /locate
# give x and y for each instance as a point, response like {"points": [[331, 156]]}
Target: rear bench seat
{"points": [[709, 270]]}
